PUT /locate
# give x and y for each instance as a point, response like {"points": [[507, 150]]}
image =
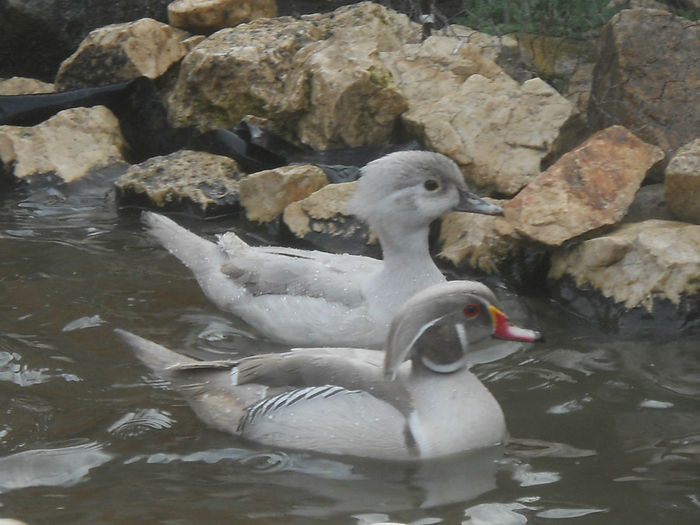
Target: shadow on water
{"points": [[604, 430]]}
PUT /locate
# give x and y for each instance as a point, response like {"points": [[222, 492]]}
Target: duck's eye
{"points": [[431, 185], [471, 310]]}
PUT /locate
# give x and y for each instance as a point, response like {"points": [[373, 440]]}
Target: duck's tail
{"points": [[198, 254], [156, 357], [205, 258]]}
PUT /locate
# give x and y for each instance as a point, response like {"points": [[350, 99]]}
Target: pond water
{"points": [[604, 430]]}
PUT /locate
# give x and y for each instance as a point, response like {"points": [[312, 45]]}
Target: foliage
{"points": [[577, 19]]}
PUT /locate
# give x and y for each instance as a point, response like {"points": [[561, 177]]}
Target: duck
{"points": [[414, 400], [303, 297]]}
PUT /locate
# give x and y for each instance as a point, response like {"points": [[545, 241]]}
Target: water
{"points": [[604, 430]]}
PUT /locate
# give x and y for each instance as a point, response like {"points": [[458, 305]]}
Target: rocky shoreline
{"points": [[600, 183]]}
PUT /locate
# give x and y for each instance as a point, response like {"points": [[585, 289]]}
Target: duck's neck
{"points": [[406, 252]]}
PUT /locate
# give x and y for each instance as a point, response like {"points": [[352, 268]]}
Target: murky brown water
{"points": [[605, 431]]}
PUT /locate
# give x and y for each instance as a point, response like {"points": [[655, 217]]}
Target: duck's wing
{"points": [[339, 403], [250, 398], [332, 420], [289, 271], [277, 372]]}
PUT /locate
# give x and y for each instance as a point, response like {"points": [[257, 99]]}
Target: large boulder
{"points": [[647, 77], [637, 263], [586, 189], [682, 183], [36, 35], [207, 16], [122, 52], [348, 99], [463, 105], [67, 147], [298, 72], [183, 181], [237, 72]]}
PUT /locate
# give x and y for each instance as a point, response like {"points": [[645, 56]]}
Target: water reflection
{"points": [[351, 485], [63, 466]]}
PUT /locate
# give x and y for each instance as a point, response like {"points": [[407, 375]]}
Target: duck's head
{"points": [[437, 327], [420, 185]]}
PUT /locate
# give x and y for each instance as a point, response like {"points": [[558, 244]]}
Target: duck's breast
{"points": [[454, 413]]}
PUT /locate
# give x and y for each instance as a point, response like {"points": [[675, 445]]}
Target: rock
{"points": [[185, 180], [207, 16], [434, 68], [297, 71], [503, 49], [322, 220], [238, 72], [462, 104], [498, 131], [586, 189], [637, 263], [554, 57], [352, 98], [265, 194], [36, 35], [300, 7], [479, 241], [24, 86], [578, 87], [683, 183], [122, 52], [651, 89], [494, 48], [649, 203], [69, 145]]}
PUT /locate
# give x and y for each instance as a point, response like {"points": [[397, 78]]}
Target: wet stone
{"points": [[203, 183], [682, 189], [64, 148], [323, 221], [265, 194], [586, 189], [637, 264]]}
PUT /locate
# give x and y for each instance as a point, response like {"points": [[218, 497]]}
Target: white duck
{"points": [[311, 298], [416, 400]]}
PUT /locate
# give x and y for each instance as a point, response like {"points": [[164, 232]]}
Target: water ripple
{"points": [[495, 513], [20, 374], [563, 513], [535, 448], [267, 462], [83, 322], [587, 363], [140, 421], [50, 467]]}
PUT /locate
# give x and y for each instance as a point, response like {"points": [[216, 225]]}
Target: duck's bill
{"points": [[504, 330], [473, 203]]}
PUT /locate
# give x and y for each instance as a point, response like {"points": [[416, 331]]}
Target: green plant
{"points": [[576, 19]]}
